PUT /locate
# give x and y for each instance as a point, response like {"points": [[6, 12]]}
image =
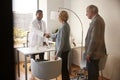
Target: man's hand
{"points": [[47, 35], [45, 44], [56, 57], [88, 58]]}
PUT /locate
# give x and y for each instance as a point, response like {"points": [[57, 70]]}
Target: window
{"points": [[23, 14]]}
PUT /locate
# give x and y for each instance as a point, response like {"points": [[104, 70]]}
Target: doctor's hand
{"points": [[45, 44], [47, 35]]}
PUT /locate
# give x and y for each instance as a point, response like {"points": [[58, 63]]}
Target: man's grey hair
{"points": [[93, 8]]}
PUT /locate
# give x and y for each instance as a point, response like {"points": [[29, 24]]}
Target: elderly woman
{"points": [[62, 43]]}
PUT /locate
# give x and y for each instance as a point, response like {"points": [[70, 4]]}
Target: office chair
{"points": [[26, 45], [46, 69]]}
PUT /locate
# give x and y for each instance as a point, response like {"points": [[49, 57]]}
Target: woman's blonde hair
{"points": [[63, 16]]}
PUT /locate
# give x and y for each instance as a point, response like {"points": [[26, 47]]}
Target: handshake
{"points": [[47, 35]]}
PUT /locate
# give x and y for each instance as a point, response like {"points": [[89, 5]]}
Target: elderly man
{"points": [[94, 43]]}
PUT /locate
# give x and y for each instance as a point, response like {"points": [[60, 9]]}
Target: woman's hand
{"points": [[88, 58]]}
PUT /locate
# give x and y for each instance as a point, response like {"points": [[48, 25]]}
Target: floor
{"points": [[74, 68]]}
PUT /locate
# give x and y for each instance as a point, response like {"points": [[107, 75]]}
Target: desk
{"points": [[28, 51]]}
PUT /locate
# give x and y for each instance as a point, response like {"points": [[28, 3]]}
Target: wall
{"points": [[67, 4], [43, 6], [109, 10], [53, 5], [112, 67]]}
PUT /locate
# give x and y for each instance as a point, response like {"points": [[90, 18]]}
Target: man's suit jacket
{"points": [[95, 43]]}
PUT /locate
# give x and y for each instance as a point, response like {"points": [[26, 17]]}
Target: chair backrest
{"points": [[26, 44], [46, 69]]}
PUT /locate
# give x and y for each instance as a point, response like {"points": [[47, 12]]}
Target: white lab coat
{"points": [[37, 31]]}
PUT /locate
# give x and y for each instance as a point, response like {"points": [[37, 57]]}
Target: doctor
{"points": [[37, 33]]}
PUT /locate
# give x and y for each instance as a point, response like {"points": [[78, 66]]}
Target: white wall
{"points": [[110, 11], [112, 67], [43, 6], [67, 4], [78, 7], [53, 5]]}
